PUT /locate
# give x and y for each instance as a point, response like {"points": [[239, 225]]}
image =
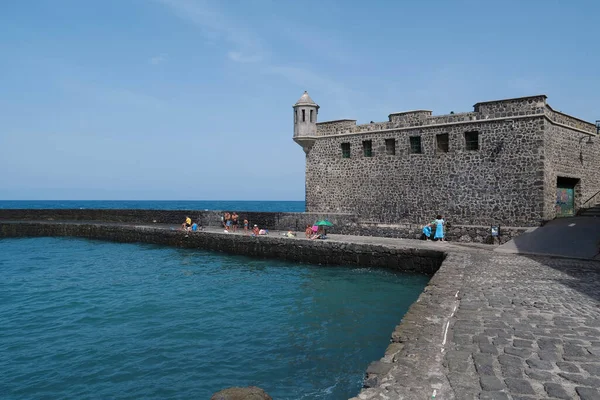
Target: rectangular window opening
{"points": [[415, 145], [472, 140], [390, 147], [303, 115], [442, 142], [295, 116], [345, 150], [311, 115], [368, 148]]}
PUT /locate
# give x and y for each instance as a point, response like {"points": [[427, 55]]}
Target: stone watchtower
{"points": [[305, 122]]}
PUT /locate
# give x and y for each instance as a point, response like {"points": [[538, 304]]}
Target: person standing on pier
{"points": [[227, 221], [234, 221], [439, 228]]}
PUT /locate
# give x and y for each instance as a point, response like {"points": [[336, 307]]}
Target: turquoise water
{"points": [[90, 319], [268, 206]]}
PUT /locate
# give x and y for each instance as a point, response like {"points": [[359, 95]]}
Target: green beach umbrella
{"points": [[324, 222]]}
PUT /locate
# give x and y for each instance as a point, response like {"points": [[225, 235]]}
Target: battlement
{"points": [[572, 122], [335, 127], [495, 109], [408, 117]]}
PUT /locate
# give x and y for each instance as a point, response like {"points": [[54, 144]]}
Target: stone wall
{"points": [[410, 118], [326, 252], [501, 183], [569, 155], [455, 233], [270, 220], [335, 127], [534, 105], [344, 224], [569, 121]]}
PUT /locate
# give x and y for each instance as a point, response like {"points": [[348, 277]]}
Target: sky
{"points": [[192, 99]]}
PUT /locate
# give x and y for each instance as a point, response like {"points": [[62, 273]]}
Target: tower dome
{"points": [[305, 121], [305, 100]]}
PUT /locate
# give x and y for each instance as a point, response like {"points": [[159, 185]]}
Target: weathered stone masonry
{"points": [[345, 224], [522, 147], [401, 258]]}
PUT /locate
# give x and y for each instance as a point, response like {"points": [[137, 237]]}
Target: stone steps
{"points": [[590, 212]]}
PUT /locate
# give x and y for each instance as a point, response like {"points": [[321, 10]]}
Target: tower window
{"points": [[303, 115], [311, 117], [390, 147], [472, 140], [295, 116], [442, 142], [345, 150], [415, 145], [367, 148]]}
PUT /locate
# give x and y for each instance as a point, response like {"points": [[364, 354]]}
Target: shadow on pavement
{"points": [[575, 237]]}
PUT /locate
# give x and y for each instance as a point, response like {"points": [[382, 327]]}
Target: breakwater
{"points": [[345, 224], [325, 252]]}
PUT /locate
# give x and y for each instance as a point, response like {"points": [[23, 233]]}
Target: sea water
{"points": [[218, 205], [90, 319]]}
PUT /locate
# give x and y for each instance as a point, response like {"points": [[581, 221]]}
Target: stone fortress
{"points": [[513, 162]]}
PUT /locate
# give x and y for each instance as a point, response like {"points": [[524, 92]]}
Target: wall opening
{"points": [[311, 115], [567, 196], [415, 145], [345, 150], [472, 140], [295, 116], [367, 148], [442, 141], [390, 147], [303, 115]]}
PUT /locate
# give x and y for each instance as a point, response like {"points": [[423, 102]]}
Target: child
{"points": [[245, 227], [255, 230], [427, 231], [439, 228]]}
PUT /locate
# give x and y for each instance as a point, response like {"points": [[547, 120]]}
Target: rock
{"points": [[465, 238], [238, 393]]}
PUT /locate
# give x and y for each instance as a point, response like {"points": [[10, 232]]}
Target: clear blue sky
{"points": [[186, 99]]}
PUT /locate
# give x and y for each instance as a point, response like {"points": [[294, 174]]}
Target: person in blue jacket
{"points": [[427, 231]]}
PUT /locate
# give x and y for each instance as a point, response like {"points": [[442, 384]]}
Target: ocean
{"points": [[218, 205], [89, 319]]}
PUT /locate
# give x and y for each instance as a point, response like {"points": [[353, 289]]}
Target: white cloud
{"points": [[159, 59], [244, 46], [239, 57]]}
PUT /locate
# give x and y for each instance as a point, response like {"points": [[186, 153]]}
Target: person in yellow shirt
{"points": [[187, 224]]}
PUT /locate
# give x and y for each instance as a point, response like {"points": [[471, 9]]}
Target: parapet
{"points": [[409, 117], [530, 106], [519, 106], [334, 127]]}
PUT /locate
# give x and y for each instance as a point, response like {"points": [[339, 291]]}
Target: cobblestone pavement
{"points": [[526, 328], [522, 328]]}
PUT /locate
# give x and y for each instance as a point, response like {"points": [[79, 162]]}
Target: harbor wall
{"points": [[324, 252], [345, 224]]}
